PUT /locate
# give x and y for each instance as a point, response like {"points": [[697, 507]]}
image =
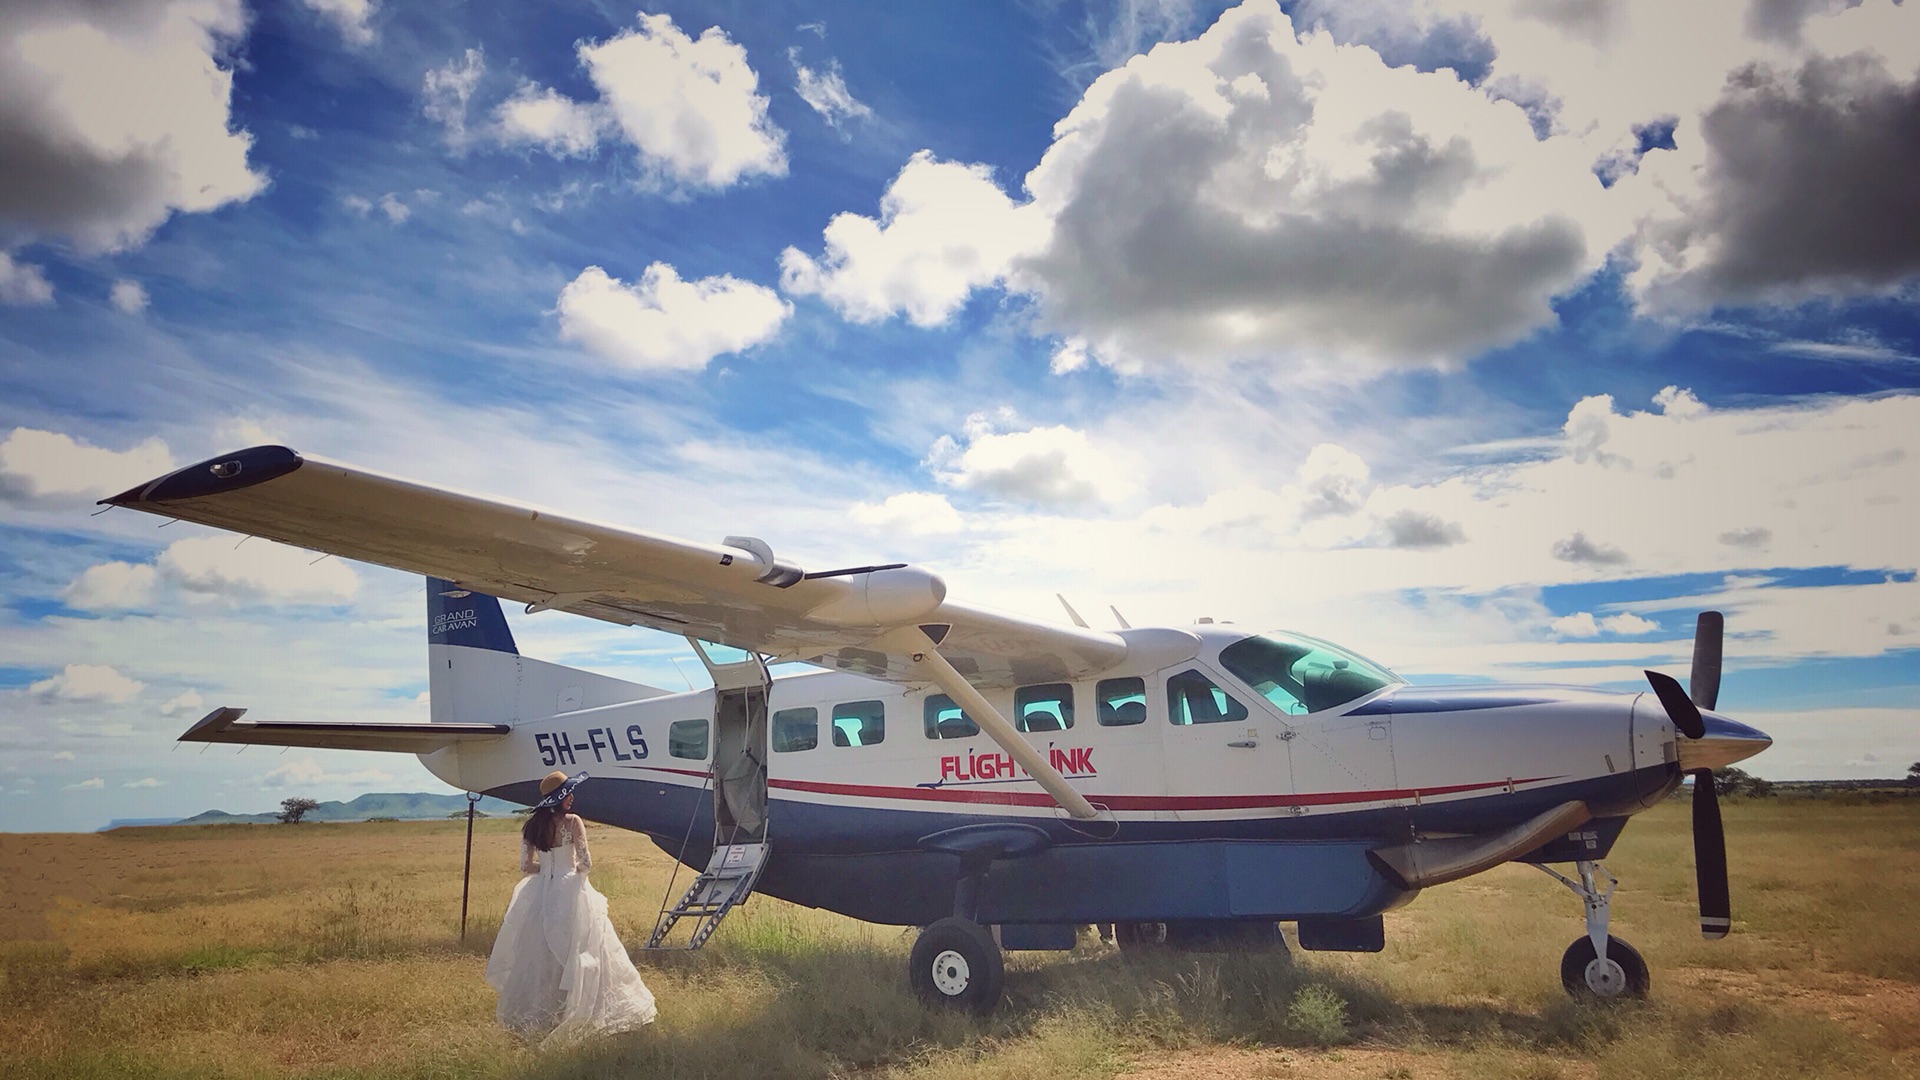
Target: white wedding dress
{"points": [[558, 965]]}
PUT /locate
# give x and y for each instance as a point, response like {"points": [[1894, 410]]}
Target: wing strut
{"points": [[928, 662]]}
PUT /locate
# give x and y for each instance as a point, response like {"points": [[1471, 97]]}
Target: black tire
{"points": [[1575, 964], [956, 963], [1139, 937]]}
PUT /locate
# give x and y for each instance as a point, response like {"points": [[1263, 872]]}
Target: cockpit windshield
{"points": [[1299, 674]]}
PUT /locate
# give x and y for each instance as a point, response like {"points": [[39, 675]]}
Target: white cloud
{"points": [[63, 755], [23, 283], [111, 586], [88, 683], [662, 323], [189, 701], [689, 105], [1052, 467], [305, 772], [395, 210], [445, 91], [543, 117], [1254, 193], [350, 17], [145, 782], [129, 297], [944, 229], [93, 784], [916, 513], [46, 465], [103, 161], [826, 92], [215, 567], [1582, 624]]}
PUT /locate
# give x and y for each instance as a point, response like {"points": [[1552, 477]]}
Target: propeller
{"points": [[1683, 708]]}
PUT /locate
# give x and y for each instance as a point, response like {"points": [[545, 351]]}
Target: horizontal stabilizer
{"points": [[224, 725]]}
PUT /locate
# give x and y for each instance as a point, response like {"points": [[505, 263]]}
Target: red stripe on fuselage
{"points": [[1114, 802]]}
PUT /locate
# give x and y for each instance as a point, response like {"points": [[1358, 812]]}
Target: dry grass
{"points": [[333, 951]]}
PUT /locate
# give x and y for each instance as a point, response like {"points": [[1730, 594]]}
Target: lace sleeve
{"points": [[529, 861], [582, 858]]}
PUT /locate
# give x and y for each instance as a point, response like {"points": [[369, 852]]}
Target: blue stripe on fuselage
{"points": [[866, 862]]}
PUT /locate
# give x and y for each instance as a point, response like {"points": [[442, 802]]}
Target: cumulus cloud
{"points": [[916, 513], [1806, 189], [129, 297], [1578, 549], [350, 17], [47, 465], [1751, 538], [82, 683], [92, 784], [213, 567], [1252, 192], [545, 118], [111, 586], [826, 93], [23, 283], [306, 772], [1582, 624], [689, 105], [944, 229], [145, 782], [446, 90], [102, 162], [187, 701], [1055, 466], [662, 323], [1415, 529], [63, 755]]}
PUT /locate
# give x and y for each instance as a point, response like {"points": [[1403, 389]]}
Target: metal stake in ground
{"points": [[466, 875]]}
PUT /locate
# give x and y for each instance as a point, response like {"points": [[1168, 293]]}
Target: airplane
{"points": [[997, 780]]}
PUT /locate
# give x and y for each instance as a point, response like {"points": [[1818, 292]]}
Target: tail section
{"points": [[477, 675], [457, 616]]}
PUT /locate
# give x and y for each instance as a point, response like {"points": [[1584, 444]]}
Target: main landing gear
{"points": [[1599, 965], [957, 963]]}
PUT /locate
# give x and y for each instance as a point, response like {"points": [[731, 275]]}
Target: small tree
{"points": [[1913, 774], [292, 810]]}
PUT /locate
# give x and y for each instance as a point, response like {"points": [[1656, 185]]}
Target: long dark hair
{"points": [[542, 829]]}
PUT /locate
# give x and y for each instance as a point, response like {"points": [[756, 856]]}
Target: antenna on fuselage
{"points": [[1072, 614]]}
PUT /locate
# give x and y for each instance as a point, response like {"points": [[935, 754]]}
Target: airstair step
{"points": [[724, 885]]}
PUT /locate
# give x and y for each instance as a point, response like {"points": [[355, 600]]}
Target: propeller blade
{"points": [[1680, 708], [1704, 683], [1710, 858]]}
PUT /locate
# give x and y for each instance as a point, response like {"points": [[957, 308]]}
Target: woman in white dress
{"points": [[558, 965]]}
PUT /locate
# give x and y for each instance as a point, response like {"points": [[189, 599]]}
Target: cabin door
{"points": [[740, 684]]}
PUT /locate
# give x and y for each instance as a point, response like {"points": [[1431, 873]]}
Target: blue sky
{"points": [[1396, 323]]}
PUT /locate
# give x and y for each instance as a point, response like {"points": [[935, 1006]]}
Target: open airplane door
{"points": [[740, 685]]}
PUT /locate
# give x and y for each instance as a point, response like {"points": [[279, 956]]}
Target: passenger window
{"points": [[945, 720], [859, 723], [1123, 702], [796, 729], [688, 739], [1047, 707], [1192, 698]]}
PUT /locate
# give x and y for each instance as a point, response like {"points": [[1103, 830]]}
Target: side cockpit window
{"points": [[1192, 698], [1301, 674]]}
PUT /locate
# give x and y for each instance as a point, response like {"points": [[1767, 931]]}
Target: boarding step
{"points": [[725, 884]]}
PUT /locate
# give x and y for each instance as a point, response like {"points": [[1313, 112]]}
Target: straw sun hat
{"points": [[556, 786]]}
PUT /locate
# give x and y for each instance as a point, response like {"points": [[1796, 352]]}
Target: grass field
{"points": [[334, 951]]}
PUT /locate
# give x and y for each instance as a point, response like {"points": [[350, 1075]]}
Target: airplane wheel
{"points": [[1623, 974], [1140, 936], [957, 963]]}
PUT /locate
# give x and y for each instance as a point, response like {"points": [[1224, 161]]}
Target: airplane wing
{"points": [[735, 593], [225, 726]]}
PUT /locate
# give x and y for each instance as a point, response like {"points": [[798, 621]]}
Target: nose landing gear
{"points": [[1599, 966]]}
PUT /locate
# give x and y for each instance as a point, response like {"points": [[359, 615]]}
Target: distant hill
{"points": [[136, 822], [407, 806]]}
